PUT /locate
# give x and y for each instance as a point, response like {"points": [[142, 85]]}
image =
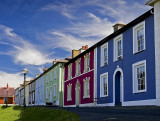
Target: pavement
{"points": [[141, 113]]}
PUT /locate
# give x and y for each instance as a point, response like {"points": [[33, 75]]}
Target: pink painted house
{"points": [[79, 80]]}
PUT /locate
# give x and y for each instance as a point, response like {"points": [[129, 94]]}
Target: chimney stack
{"points": [[54, 62], [118, 26], [45, 69], [75, 53], [37, 75]]}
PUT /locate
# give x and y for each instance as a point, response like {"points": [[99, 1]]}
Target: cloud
{"points": [[23, 52], [64, 9], [90, 25], [13, 79], [94, 26]]}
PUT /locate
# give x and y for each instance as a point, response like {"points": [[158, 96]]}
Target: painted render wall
{"points": [[80, 78], [39, 91], [58, 100], [126, 65]]}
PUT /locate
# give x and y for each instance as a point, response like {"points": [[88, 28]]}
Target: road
{"points": [[149, 113]]}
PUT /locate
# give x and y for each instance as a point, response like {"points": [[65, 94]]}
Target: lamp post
{"points": [[6, 99], [24, 71]]}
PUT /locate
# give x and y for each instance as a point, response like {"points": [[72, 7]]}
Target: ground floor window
{"points": [[69, 92], [139, 77], [55, 90], [46, 93], [86, 87], [104, 84]]}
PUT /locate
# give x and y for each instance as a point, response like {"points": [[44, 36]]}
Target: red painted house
{"points": [[7, 94], [79, 80]]}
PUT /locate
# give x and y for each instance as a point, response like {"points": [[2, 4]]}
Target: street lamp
{"points": [[24, 71]]}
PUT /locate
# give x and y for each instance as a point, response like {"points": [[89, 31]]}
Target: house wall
{"points": [[51, 82], [39, 91], [27, 94], [1, 100], [80, 78], [126, 65]]}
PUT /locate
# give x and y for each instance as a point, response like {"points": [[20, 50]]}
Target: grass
{"points": [[16, 113]]}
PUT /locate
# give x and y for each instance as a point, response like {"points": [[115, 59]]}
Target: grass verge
{"points": [[17, 113]]}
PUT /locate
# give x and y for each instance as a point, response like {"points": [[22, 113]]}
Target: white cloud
{"points": [[94, 26], [87, 28], [23, 51], [64, 9], [13, 79]]}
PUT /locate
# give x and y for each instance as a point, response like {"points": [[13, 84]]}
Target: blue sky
{"points": [[35, 32]]}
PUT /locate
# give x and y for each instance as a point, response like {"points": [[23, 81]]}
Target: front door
{"points": [[77, 94], [50, 94], [118, 88]]}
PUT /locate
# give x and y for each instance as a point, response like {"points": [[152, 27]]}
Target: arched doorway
{"points": [[118, 87], [77, 93]]}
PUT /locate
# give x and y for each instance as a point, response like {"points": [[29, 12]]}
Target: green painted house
{"points": [[54, 83]]}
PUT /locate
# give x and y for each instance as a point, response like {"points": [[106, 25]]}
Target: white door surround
{"points": [[121, 85]]}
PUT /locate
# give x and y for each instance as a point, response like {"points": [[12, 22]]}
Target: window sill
{"points": [[138, 52], [86, 97], [141, 91], [104, 96], [69, 99], [118, 60], [104, 65]]}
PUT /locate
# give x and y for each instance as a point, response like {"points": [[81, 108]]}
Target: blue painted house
{"points": [[39, 90], [128, 62]]}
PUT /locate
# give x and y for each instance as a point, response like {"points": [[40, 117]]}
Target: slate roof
{"points": [[3, 91]]}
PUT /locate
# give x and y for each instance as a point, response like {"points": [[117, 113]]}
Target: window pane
{"points": [[140, 39]]}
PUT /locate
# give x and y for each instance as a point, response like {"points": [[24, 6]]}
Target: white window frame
{"points": [[55, 90], [33, 96], [47, 78], [102, 54], [115, 46], [47, 93], [101, 84], [69, 71], [134, 72], [51, 75], [69, 92], [55, 73], [86, 67], [50, 93], [78, 68], [135, 44], [85, 88]]}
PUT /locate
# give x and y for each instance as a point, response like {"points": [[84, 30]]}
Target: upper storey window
{"points": [[118, 48], [70, 71], [139, 37], [104, 54], [78, 67], [87, 62]]}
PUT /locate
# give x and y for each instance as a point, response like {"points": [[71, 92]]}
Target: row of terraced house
{"points": [[123, 68]]}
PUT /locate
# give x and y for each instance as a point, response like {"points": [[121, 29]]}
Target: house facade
{"points": [[32, 92], [128, 67], [7, 95], [39, 90], [79, 81], [17, 100], [53, 86], [27, 94]]}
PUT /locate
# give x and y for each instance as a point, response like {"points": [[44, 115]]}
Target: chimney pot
{"points": [[86, 46], [7, 85]]}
